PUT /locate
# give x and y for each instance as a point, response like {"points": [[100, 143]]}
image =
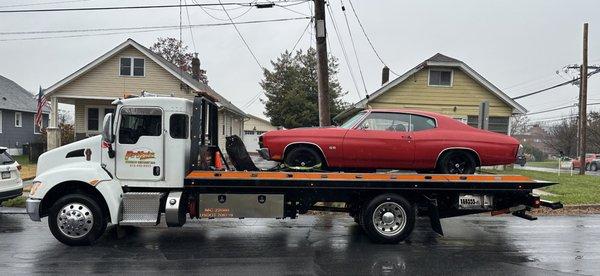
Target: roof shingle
{"points": [[15, 97]]}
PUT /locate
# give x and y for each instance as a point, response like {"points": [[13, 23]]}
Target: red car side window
{"points": [[386, 121]]}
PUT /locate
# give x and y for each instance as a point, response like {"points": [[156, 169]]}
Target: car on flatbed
{"points": [[11, 185], [392, 139]]}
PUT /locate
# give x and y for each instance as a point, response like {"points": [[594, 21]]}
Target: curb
{"points": [[13, 211]]}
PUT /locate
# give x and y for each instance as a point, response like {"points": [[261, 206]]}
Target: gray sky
{"points": [[517, 45]]}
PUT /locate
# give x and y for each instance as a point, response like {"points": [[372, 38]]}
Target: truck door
{"points": [[383, 140], [140, 144]]}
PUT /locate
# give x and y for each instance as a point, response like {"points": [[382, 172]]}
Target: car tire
{"points": [[388, 218], [77, 219], [593, 167], [457, 162], [303, 158]]}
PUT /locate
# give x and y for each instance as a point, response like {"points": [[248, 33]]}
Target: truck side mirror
{"points": [[107, 129]]}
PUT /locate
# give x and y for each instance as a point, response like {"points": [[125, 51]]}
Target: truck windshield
{"points": [[352, 121]]}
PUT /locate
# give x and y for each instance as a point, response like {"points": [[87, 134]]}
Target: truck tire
{"points": [[76, 219], [388, 218]]}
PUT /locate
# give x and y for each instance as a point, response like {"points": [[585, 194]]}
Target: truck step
{"points": [[141, 208]]}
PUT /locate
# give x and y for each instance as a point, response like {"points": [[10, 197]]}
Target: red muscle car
{"points": [[391, 139]]}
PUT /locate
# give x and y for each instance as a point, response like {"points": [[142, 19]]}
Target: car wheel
{"points": [[587, 167], [388, 218], [594, 167], [76, 219], [303, 158], [457, 162]]}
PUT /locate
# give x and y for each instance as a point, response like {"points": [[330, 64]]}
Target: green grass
{"points": [[576, 189], [15, 202], [22, 159], [543, 164]]}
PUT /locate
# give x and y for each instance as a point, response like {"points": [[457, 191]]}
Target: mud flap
{"points": [[434, 215], [238, 154]]}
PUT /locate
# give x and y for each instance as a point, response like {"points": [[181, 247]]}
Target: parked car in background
{"points": [[391, 139], [589, 157], [521, 160], [595, 165], [11, 185]]}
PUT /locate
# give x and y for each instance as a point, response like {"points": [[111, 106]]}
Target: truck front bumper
{"points": [[264, 153], [33, 208]]}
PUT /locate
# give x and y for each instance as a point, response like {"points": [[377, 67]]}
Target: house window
{"points": [[93, 118], [131, 67], [439, 77], [18, 119], [495, 123], [38, 129]]}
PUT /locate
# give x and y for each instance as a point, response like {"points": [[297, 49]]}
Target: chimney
{"points": [[385, 75], [196, 67]]}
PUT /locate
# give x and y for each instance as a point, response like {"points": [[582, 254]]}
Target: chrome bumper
{"points": [[264, 153], [33, 208]]}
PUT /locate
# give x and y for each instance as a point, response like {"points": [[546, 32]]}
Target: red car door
{"points": [[382, 140]]}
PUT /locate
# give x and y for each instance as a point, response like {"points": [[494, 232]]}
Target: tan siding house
{"points": [[92, 88], [444, 85], [254, 127]]}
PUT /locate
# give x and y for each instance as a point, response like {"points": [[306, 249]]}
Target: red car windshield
{"points": [[353, 120]]}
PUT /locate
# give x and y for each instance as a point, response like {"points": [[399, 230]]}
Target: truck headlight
{"points": [[36, 185]]}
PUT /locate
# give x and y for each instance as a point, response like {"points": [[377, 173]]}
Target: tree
{"points": [[292, 93], [562, 137], [174, 51], [519, 124]]}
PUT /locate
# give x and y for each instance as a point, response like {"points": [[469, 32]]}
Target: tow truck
{"points": [[158, 158]]}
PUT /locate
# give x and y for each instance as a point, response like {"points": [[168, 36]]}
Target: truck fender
{"points": [[86, 172], [112, 193]]}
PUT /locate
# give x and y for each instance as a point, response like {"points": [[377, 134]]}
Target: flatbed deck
{"points": [[341, 180]]}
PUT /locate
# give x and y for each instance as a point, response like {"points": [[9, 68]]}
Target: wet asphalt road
{"points": [[322, 245]]}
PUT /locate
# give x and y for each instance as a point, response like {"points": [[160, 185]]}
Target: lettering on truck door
{"points": [[140, 144]]}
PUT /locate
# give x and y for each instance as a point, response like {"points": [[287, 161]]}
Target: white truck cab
{"points": [[130, 153]]}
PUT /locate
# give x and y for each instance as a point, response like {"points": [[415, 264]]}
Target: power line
{"points": [[368, 39], [354, 48], [221, 19], [242, 37], [133, 7], [301, 36], [554, 86], [344, 53], [190, 23], [127, 30]]}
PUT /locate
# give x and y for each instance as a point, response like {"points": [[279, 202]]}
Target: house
{"points": [[253, 127], [444, 85], [130, 68], [17, 112]]}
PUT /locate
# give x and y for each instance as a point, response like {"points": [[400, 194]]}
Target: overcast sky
{"points": [[517, 45]]}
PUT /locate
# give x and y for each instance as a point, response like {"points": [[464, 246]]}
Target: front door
{"points": [[140, 144], [383, 140]]}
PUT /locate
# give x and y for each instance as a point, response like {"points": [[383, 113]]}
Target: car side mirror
{"points": [[107, 129]]}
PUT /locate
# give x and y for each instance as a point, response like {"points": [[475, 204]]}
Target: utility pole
{"points": [[583, 102], [322, 66]]}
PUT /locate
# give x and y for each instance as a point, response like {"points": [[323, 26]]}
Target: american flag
{"points": [[41, 102]]}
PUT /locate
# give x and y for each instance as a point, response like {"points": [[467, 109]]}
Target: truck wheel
{"points": [[388, 218], [457, 162], [76, 219]]}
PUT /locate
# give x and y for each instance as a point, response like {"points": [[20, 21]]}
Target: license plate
{"points": [[5, 175]]}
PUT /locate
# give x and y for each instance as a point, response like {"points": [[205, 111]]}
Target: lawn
{"points": [[572, 190], [543, 164], [27, 168]]}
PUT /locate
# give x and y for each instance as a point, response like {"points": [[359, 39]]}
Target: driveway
{"points": [[312, 245]]}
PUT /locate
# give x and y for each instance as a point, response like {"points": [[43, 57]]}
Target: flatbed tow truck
{"points": [[152, 161]]}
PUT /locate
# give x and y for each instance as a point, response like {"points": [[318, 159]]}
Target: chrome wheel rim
{"points": [[75, 220], [389, 218]]}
